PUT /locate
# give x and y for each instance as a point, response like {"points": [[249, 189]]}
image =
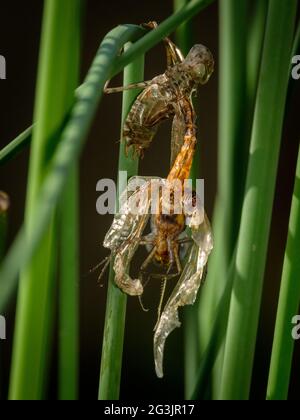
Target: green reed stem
{"points": [[68, 376], [185, 32], [184, 39], [112, 349], [54, 98], [69, 291], [257, 206], [289, 298], [289, 301], [16, 146], [232, 136]]}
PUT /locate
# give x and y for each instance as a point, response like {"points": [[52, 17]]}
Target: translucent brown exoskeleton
{"points": [[166, 244], [166, 96], [161, 98]]}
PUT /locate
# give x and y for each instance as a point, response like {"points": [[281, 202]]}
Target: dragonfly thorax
{"points": [[168, 228]]}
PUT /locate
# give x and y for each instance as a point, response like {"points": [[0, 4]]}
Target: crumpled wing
{"points": [[126, 223], [185, 292], [127, 228]]}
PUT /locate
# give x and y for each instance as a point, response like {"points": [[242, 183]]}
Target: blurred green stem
{"points": [[232, 137], [257, 207], [69, 291], [184, 39], [54, 98], [289, 301], [16, 146], [69, 256], [184, 35], [112, 350]]}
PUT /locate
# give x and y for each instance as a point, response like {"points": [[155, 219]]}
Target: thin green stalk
{"points": [[232, 135], [185, 40], [16, 146], [257, 206], [68, 376], [296, 47], [104, 67], [254, 51], [54, 98], [211, 354], [232, 73], [185, 32], [289, 301], [69, 291], [112, 350]]}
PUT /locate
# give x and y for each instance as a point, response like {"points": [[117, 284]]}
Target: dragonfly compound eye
{"points": [[201, 63]]}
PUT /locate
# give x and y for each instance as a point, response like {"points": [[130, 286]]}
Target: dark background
{"points": [[20, 24]]}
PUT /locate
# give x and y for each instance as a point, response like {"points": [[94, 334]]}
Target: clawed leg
{"points": [[174, 55], [146, 263], [105, 263], [161, 300], [144, 266], [140, 85], [185, 241], [178, 263], [166, 278]]}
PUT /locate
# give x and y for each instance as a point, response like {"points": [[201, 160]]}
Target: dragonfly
{"points": [[167, 95]]}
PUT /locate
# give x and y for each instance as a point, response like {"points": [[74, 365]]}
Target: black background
{"points": [[20, 24]]}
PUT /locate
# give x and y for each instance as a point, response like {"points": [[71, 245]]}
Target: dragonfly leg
{"points": [[139, 85], [105, 263], [145, 241], [185, 241], [161, 300], [143, 270], [174, 55], [147, 261], [178, 263], [104, 269]]}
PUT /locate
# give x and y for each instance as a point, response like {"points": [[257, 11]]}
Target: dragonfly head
{"points": [[200, 63]]}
